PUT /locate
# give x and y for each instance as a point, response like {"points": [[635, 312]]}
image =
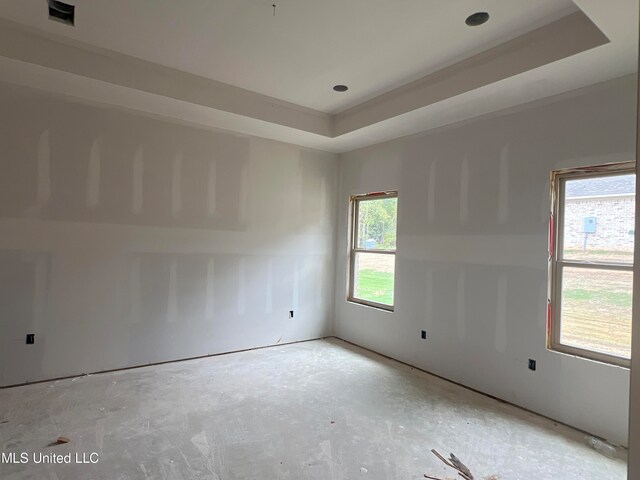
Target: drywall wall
{"points": [[634, 398], [473, 206], [126, 240]]}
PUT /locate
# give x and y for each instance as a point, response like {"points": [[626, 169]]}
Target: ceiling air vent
{"points": [[61, 12]]}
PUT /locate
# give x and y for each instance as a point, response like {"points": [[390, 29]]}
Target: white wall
{"points": [[126, 240], [121, 244], [634, 399], [472, 252]]}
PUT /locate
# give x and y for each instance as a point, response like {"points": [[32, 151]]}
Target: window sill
{"points": [[376, 306], [589, 356]]}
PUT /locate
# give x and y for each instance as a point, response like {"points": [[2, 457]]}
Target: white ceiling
{"points": [[307, 47], [234, 66]]}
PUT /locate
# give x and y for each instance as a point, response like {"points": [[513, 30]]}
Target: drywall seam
{"points": [[43, 169]]}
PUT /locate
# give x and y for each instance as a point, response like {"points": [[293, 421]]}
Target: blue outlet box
{"points": [[589, 224]]}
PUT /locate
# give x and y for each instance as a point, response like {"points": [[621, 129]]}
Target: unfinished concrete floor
{"points": [[314, 410]]}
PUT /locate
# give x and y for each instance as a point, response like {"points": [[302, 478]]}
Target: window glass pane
{"points": [[377, 221], [599, 215], [373, 277], [596, 310]]}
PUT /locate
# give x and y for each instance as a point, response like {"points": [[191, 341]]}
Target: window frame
{"points": [[354, 209], [557, 263]]}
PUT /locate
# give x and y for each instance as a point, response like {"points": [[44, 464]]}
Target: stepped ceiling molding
{"points": [[411, 65]]}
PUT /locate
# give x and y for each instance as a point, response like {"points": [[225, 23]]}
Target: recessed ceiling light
{"points": [[340, 88], [477, 18]]}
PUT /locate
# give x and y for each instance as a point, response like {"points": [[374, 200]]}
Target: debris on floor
{"points": [[601, 446], [455, 463], [59, 441]]}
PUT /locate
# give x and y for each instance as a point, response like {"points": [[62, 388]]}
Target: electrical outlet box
{"points": [[31, 338], [532, 364], [423, 334]]}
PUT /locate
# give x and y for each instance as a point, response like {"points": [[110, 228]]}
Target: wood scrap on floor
{"points": [[455, 463], [59, 441], [461, 467]]}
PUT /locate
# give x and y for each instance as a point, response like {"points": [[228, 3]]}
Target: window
{"points": [[591, 262], [372, 258]]}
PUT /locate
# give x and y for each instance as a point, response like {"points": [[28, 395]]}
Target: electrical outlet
{"points": [[290, 313], [31, 338], [532, 364], [423, 334]]}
